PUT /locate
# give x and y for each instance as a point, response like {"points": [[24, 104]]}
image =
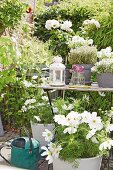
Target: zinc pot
{"points": [[105, 80], [37, 130], [83, 164]]}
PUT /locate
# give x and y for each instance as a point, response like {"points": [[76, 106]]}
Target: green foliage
{"points": [[10, 13]]}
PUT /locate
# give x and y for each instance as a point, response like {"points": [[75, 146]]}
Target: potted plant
{"points": [[82, 53], [41, 117], [81, 138], [104, 68]]}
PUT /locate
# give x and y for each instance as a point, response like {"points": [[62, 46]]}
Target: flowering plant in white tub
{"points": [[81, 139]]}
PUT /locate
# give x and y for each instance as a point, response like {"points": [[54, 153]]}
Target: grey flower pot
{"points": [[105, 80]]}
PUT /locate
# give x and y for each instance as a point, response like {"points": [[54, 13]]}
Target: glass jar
{"points": [[77, 78]]}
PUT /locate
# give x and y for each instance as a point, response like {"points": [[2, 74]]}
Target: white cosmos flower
{"points": [[102, 94], [45, 98], [94, 121], [69, 107], [106, 145], [47, 153], [54, 149], [60, 119], [48, 135], [66, 25], [55, 23], [85, 116], [70, 130], [109, 128], [73, 119], [37, 118], [91, 134]]}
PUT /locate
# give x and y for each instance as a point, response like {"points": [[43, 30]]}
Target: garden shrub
{"points": [[10, 13], [60, 12]]}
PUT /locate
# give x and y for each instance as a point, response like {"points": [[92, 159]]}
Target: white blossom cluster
{"points": [[28, 104], [66, 25], [105, 53], [92, 22], [28, 84], [78, 41]]}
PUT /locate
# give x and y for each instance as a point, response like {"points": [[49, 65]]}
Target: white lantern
{"points": [[57, 72]]}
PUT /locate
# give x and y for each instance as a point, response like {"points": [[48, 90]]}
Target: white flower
{"points": [[60, 119], [49, 24], [49, 157], [91, 22], [48, 135], [55, 150], [70, 130], [94, 140], [31, 107], [85, 116], [55, 109], [102, 94], [90, 42], [28, 84], [109, 128], [24, 109], [73, 119], [91, 134], [52, 24], [34, 77], [55, 23], [69, 107], [66, 25], [30, 101], [106, 145], [37, 118], [45, 98], [94, 121]]}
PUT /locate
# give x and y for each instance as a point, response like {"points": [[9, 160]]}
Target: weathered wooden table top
{"points": [[76, 88]]}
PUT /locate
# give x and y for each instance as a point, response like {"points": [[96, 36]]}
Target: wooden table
{"points": [[83, 88]]}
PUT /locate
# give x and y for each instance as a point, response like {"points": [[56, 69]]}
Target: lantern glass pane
{"points": [[57, 74]]}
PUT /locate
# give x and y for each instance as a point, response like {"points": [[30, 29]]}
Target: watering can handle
{"points": [[28, 135]]}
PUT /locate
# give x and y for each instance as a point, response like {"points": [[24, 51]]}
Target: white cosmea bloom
{"points": [[48, 135], [91, 134], [24, 109], [60, 119], [109, 128], [28, 84], [70, 130], [37, 118], [47, 153], [94, 121], [106, 145], [55, 150]]}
